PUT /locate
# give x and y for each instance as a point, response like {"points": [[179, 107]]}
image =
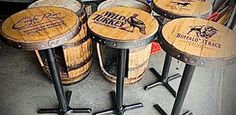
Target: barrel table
{"points": [[138, 57], [44, 28], [75, 56], [122, 28], [169, 10], [197, 42]]}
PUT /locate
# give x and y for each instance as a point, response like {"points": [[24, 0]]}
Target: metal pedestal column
{"points": [[64, 100], [183, 88], [117, 97], [164, 79], [184, 84]]}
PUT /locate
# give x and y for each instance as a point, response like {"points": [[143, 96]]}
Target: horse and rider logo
{"points": [[203, 31]]}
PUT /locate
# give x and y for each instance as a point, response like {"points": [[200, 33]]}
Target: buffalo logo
{"points": [[182, 4], [134, 22], [203, 31]]}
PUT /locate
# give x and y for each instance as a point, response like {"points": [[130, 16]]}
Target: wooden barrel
{"points": [[75, 56], [138, 57]]}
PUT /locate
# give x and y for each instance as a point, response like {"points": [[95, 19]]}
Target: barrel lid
{"points": [[40, 28], [69, 4], [199, 42], [122, 27], [182, 8]]}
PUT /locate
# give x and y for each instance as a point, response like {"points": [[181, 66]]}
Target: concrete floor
{"points": [[24, 88]]}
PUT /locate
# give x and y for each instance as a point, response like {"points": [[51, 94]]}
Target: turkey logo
{"points": [[133, 22], [203, 31]]}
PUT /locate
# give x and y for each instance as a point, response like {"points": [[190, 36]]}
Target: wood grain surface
{"points": [[200, 38], [184, 7], [41, 25], [143, 26]]}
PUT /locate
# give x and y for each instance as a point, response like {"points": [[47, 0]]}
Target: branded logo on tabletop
{"points": [[182, 4], [199, 36], [114, 20], [203, 31], [39, 22]]}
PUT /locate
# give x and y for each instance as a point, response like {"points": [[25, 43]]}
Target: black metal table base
{"points": [[159, 109], [182, 91], [162, 112], [163, 80], [188, 113], [60, 111], [63, 98], [117, 98], [183, 88], [123, 109]]}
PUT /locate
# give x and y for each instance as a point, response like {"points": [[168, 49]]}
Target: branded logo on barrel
{"points": [[200, 36], [203, 31], [182, 4], [39, 22], [113, 20]]}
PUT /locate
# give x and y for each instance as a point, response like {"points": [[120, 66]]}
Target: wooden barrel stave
{"points": [[75, 56], [138, 62], [78, 68]]}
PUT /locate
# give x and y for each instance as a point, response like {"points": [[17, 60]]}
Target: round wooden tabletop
{"points": [[182, 8], [199, 42], [40, 28], [122, 27]]}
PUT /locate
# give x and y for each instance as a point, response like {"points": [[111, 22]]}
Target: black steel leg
{"points": [[63, 99], [185, 81], [119, 108], [160, 110], [163, 79], [188, 113], [183, 88]]}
